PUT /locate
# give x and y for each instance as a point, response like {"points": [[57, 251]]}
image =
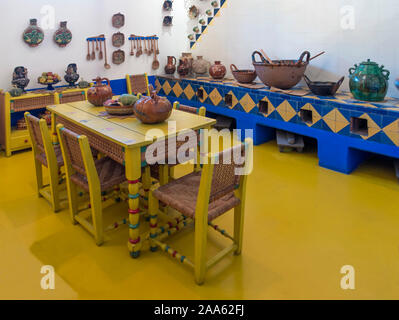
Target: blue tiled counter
{"points": [[346, 129]]}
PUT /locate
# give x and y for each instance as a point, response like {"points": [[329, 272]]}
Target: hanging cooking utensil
{"points": [[145, 47], [106, 65], [157, 46], [97, 48], [131, 48], [155, 63], [88, 57], [101, 55], [93, 53]]}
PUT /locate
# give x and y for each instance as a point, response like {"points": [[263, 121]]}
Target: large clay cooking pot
{"points": [[217, 71], [100, 92], [282, 74], [153, 109]]}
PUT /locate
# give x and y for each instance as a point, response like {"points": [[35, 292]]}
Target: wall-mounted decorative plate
{"points": [[63, 36], [167, 5], [118, 20], [193, 12], [118, 39], [33, 35], [167, 21], [118, 57]]}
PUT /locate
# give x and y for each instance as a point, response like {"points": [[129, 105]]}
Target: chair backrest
{"points": [[33, 124], [200, 111], [225, 177], [138, 84], [71, 150]]}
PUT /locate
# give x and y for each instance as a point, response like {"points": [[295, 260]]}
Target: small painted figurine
{"points": [[20, 78], [71, 75]]}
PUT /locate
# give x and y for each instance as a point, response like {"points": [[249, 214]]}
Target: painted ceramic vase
{"points": [[187, 57], [71, 75], [217, 71], [33, 35], [20, 78], [170, 67], [369, 81], [100, 92], [201, 66], [63, 36], [183, 69], [153, 109]]}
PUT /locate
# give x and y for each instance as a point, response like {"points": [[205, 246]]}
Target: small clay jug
{"points": [[183, 69], [217, 71], [100, 92], [170, 68]]}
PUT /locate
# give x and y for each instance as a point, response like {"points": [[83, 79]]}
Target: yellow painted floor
{"points": [[303, 223]]}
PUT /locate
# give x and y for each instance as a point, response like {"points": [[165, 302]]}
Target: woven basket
{"points": [[119, 110]]}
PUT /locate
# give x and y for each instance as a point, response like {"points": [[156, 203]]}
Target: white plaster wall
{"points": [[85, 18], [285, 28]]}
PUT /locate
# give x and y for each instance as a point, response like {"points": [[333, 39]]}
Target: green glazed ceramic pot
{"points": [[369, 81]]}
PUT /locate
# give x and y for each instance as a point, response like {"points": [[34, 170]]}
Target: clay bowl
{"points": [[320, 88], [115, 108], [243, 76], [282, 74]]}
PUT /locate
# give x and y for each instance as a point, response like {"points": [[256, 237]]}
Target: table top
{"points": [[128, 132]]}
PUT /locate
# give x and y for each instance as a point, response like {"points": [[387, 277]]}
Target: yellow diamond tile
{"points": [[158, 85], [215, 97], [331, 115], [247, 103], [339, 125], [339, 117], [189, 92], [331, 124], [286, 111], [234, 100], [177, 89], [394, 136], [394, 126], [166, 87], [373, 128]]}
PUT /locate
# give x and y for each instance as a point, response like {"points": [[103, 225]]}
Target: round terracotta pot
{"points": [[100, 92], [217, 71], [154, 109]]}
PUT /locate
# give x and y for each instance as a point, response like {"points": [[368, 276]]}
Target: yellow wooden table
{"points": [[125, 140]]}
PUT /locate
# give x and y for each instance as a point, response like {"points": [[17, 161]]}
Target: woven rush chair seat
{"points": [[181, 194], [110, 173], [58, 153]]}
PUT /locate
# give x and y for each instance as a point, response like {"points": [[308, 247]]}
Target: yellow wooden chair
{"points": [[166, 172], [93, 176], [48, 155], [202, 197], [138, 84]]}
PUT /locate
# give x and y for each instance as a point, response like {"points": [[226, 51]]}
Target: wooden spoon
{"points": [[157, 46], [88, 57], [138, 54], [317, 55], [131, 47], [145, 47], [106, 65], [97, 48], [155, 63], [266, 56], [101, 55], [93, 53]]}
